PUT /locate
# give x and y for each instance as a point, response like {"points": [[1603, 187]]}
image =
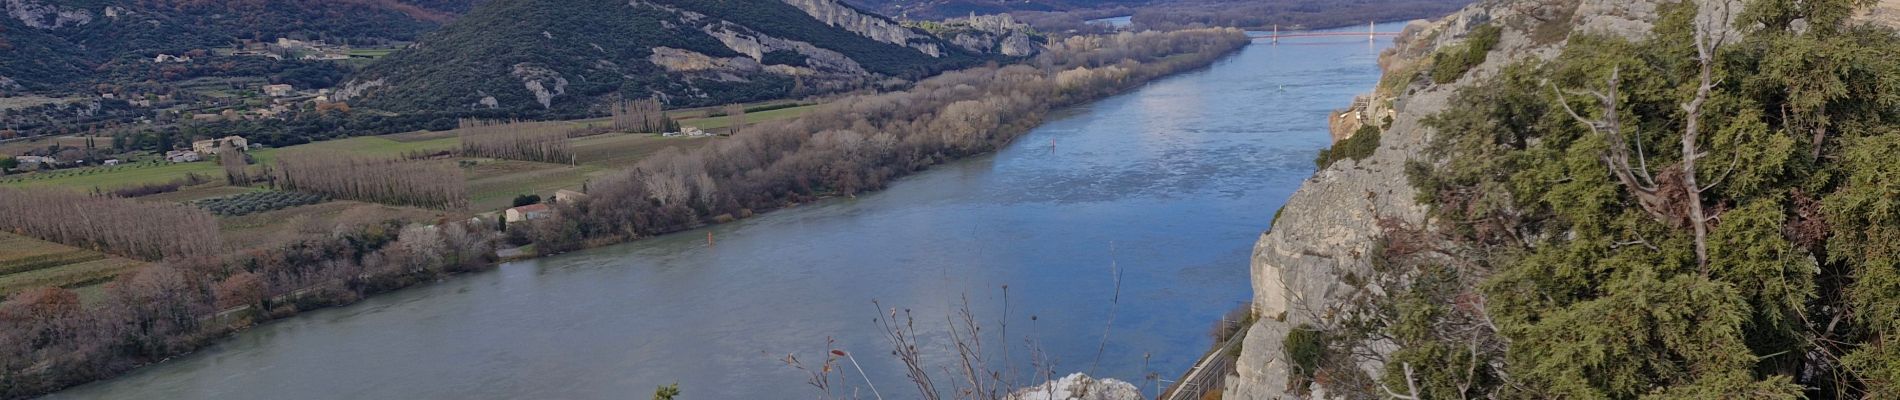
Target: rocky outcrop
{"points": [[720, 68], [356, 88], [878, 28], [1079, 387], [544, 83], [756, 45], [47, 16], [991, 34], [1328, 229]]}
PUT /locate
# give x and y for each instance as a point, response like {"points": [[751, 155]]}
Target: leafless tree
{"points": [[394, 181], [142, 230], [525, 141]]}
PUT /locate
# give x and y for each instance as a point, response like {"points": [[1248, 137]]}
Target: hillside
{"points": [[1598, 199], [562, 58], [67, 45]]}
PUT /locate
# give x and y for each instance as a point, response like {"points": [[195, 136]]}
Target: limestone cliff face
{"points": [[1328, 229], [869, 25]]}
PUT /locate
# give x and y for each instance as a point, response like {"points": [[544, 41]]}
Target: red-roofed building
{"points": [[528, 212]]}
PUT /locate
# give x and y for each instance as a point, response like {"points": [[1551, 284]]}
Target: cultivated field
{"points": [[28, 263]]}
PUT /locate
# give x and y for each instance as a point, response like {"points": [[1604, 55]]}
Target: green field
{"points": [[711, 123], [372, 53], [27, 263], [493, 184], [113, 177]]}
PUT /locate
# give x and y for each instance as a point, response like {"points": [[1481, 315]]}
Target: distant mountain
{"points": [[940, 9], [63, 45], [567, 57]]}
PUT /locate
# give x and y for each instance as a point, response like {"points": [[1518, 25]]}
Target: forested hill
{"points": [[67, 45], [562, 57]]}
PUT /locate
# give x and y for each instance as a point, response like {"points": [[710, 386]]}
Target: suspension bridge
{"points": [[1372, 33]]}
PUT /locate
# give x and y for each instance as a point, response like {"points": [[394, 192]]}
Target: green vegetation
{"points": [[1451, 62], [770, 113], [667, 392], [478, 56], [1357, 147], [1304, 346], [527, 199], [256, 202], [1650, 222], [28, 263], [108, 50]]}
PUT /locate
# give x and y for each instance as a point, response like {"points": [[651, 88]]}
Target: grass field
{"points": [[493, 184], [624, 149], [12, 148], [372, 53], [316, 219], [711, 123], [114, 176], [142, 173], [27, 263]]}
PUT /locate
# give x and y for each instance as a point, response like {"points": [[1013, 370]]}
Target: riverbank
{"points": [[1175, 177], [387, 257]]}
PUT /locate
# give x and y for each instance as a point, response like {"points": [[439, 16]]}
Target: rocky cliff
{"points": [[1306, 271]]}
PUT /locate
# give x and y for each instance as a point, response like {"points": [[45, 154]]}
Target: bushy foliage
{"points": [[1450, 63], [1575, 212], [1304, 346], [256, 202], [1360, 145]]}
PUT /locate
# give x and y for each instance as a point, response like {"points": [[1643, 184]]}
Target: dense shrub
{"points": [[1361, 145], [1304, 346], [1452, 62]]}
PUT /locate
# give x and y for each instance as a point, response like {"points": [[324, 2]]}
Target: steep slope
{"points": [[1597, 199], [1311, 269], [65, 45], [561, 58]]}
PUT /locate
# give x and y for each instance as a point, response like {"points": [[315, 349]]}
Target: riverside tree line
{"points": [[48, 340], [862, 142]]}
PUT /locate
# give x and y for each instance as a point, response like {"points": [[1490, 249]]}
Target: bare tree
{"points": [[142, 230], [394, 181], [525, 141]]}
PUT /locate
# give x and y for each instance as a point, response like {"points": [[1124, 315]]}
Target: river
{"points": [[1170, 183]]}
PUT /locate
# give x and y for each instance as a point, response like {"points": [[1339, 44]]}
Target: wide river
{"points": [[1170, 183]]}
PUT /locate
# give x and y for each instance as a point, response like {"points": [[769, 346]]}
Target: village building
{"points": [[35, 162], [212, 146], [165, 58], [279, 90], [564, 196], [528, 212], [182, 156], [112, 162]]}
